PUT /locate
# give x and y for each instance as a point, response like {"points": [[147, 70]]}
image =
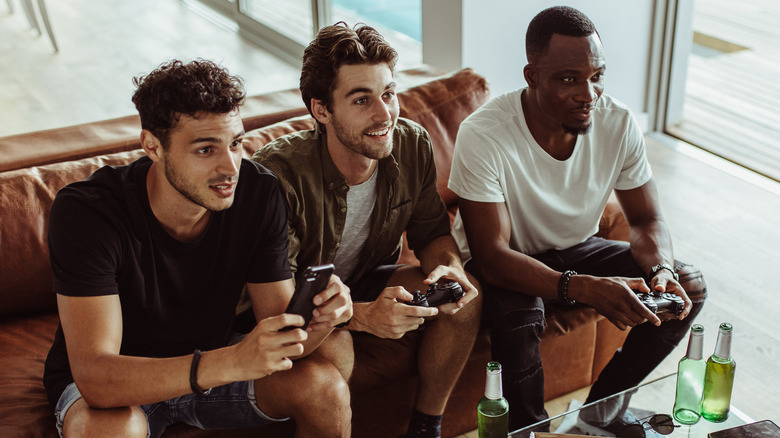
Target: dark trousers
{"points": [[517, 321]]}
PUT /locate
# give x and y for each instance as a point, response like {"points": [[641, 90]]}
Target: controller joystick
{"points": [[418, 299], [662, 302], [437, 294]]}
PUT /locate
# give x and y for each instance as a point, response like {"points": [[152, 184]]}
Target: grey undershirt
{"points": [[360, 203]]}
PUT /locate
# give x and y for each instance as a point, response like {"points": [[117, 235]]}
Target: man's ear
{"points": [[320, 111], [529, 73], [151, 145]]}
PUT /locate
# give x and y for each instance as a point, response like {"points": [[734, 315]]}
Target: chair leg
{"points": [[47, 24], [30, 13]]}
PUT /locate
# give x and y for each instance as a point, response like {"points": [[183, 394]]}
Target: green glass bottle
{"points": [[719, 378], [690, 379], [493, 409]]}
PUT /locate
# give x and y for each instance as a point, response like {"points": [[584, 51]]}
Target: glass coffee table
{"points": [[655, 396]]}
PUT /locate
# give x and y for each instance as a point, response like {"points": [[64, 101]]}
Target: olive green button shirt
{"points": [[316, 194]]}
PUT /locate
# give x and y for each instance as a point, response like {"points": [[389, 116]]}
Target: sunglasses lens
{"points": [[662, 424], [632, 431]]}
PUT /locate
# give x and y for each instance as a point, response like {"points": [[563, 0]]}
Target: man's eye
{"points": [[597, 77], [237, 144], [389, 95], [205, 150], [361, 101], [568, 80]]}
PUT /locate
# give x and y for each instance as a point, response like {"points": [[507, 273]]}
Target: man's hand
{"points": [[458, 275], [664, 282], [389, 316], [266, 349], [614, 297], [334, 306]]}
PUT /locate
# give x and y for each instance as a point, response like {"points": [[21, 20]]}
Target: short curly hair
{"points": [[562, 20], [174, 89], [335, 46]]}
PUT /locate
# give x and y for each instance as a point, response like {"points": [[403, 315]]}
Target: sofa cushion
{"points": [[25, 200], [440, 107], [24, 343]]}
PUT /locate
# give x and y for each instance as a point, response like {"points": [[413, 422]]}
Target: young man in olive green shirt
{"points": [[353, 185]]}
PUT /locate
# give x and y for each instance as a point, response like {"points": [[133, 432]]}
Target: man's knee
{"points": [[83, 421], [338, 349], [517, 339], [326, 381], [692, 281]]}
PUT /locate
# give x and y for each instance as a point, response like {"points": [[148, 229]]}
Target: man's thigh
{"points": [[595, 256], [231, 406]]}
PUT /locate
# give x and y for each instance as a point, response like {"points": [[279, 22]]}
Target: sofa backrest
{"points": [[26, 194]]}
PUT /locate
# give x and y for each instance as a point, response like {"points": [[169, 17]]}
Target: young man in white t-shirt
{"points": [[534, 169]]}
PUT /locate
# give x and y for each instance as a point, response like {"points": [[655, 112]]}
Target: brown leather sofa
{"points": [[33, 167]]}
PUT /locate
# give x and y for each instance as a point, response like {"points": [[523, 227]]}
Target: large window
{"points": [[723, 89], [287, 26]]}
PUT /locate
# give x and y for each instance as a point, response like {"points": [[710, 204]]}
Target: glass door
{"points": [[286, 27], [723, 92]]}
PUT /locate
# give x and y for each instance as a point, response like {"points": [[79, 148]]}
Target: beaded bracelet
{"points": [[563, 287]]}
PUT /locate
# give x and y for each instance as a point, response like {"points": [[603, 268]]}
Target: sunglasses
{"points": [[660, 423]]}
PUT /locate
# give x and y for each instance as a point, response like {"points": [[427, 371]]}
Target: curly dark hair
{"points": [[333, 47], [562, 20], [175, 88]]}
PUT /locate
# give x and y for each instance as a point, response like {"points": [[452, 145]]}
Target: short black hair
{"points": [[563, 20], [174, 89]]}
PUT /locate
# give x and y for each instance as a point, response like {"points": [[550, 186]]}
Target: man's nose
{"points": [[229, 162], [383, 112], [588, 92]]}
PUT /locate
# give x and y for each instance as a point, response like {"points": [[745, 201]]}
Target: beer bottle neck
{"points": [[696, 342], [723, 344], [493, 389]]}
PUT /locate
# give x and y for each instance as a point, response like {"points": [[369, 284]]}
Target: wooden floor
{"points": [[723, 219], [732, 95], [103, 45]]}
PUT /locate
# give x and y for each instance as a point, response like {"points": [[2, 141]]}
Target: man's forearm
{"points": [[518, 272], [651, 244], [443, 251], [117, 380]]}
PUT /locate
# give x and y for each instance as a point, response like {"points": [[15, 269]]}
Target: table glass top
{"points": [[655, 396]]}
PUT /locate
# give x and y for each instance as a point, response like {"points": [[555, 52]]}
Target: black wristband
{"points": [[563, 287], [194, 374]]}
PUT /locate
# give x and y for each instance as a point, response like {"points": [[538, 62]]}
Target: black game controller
{"points": [[659, 302], [437, 294]]}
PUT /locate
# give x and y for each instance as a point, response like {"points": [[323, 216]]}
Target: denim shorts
{"points": [[231, 406]]}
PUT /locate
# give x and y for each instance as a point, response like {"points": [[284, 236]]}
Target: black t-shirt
{"points": [[175, 296]]}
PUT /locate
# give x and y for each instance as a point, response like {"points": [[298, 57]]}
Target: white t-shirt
{"points": [[552, 204]]}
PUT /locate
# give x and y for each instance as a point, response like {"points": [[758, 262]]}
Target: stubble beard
{"points": [[580, 130], [356, 143], [188, 190]]}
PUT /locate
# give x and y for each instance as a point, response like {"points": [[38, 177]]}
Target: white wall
{"points": [[492, 41]]}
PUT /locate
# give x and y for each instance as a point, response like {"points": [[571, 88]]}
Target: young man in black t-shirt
{"points": [[149, 262]]}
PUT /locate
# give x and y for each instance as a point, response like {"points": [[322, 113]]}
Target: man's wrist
{"points": [[563, 287], [344, 324], [356, 322], [663, 266]]}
